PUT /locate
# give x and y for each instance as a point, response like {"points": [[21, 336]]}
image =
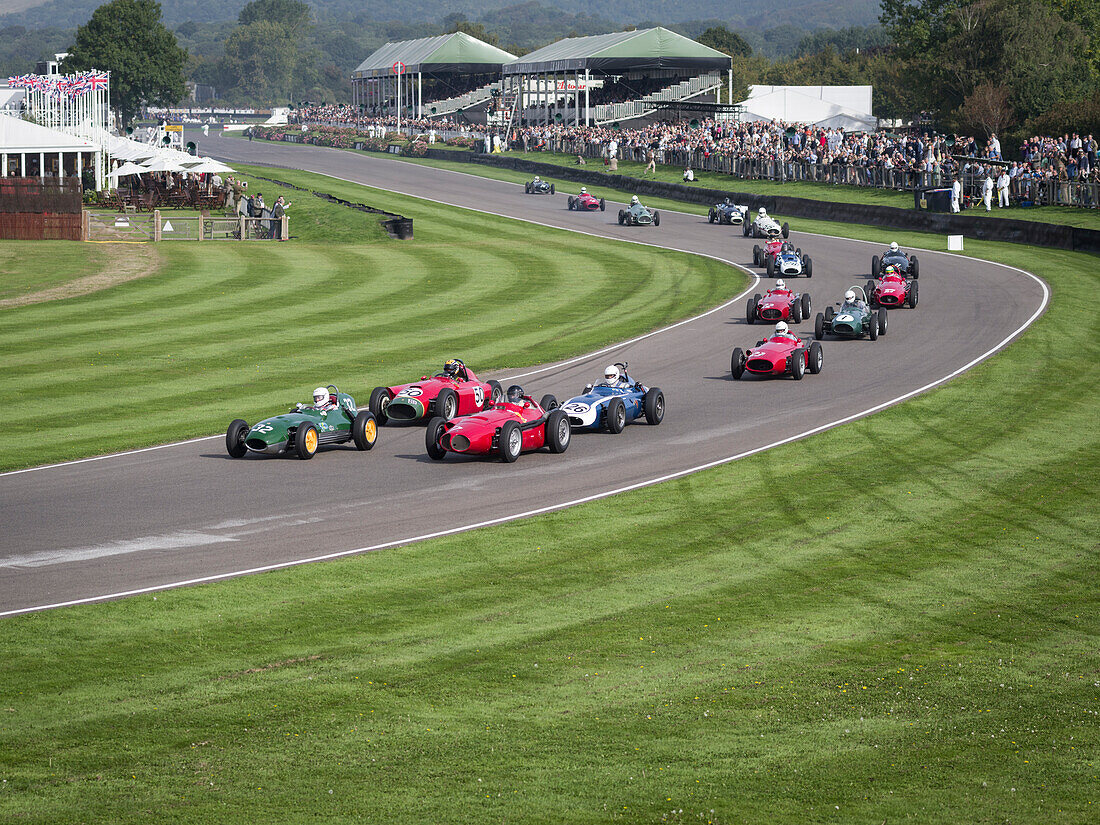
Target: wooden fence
{"points": [[158, 226], [32, 209]]}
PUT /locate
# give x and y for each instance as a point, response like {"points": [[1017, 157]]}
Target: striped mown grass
{"points": [[220, 330], [771, 640]]}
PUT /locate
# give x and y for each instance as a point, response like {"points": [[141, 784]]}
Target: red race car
{"points": [[779, 304], [760, 254], [892, 290], [455, 391], [781, 354], [586, 203], [508, 428]]}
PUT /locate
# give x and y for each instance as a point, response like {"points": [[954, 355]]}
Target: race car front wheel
{"points": [[364, 430], [615, 417], [234, 438], [511, 441], [654, 405], [305, 441], [431, 439], [557, 431]]}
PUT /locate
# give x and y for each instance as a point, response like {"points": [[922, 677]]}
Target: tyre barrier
{"points": [[1036, 233], [396, 226]]}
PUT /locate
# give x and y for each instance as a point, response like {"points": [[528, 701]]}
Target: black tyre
{"points": [[869, 288], [511, 442], [874, 266], [914, 267], [817, 358], [796, 312], [570, 203], [622, 218], [819, 326], [770, 266], [235, 436], [552, 189], [446, 404], [911, 298], [786, 230], [798, 251], [431, 439], [745, 228], [527, 188], [711, 216], [737, 362], [883, 318], [830, 313], [756, 250], [305, 441], [603, 204], [654, 405], [496, 394], [364, 430], [548, 402], [615, 415], [805, 305], [872, 323], [798, 364], [808, 267], [750, 311], [557, 431], [380, 398], [656, 218]]}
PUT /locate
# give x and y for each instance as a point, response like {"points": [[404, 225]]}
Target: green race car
{"points": [[854, 318], [304, 429]]}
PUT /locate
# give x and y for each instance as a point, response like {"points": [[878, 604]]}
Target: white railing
{"points": [[453, 104], [693, 87]]}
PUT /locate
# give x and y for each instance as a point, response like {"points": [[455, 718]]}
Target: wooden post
{"points": [[85, 225], [283, 229], [242, 228], [156, 225]]}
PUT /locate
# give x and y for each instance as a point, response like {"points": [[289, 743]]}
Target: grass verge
{"points": [[893, 620], [220, 330]]}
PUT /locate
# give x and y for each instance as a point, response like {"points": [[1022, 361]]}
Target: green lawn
{"points": [[218, 330], [774, 640]]}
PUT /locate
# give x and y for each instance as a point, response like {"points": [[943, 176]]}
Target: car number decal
{"points": [[576, 408], [844, 317], [412, 392], [262, 428], [479, 395]]}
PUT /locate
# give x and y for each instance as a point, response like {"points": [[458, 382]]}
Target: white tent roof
{"points": [[791, 104], [18, 135]]}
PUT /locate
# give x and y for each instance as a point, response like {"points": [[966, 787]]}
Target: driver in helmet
{"points": [[538, 179], [780, 284], [891, 270], [894, 246], [612, 377], [452, 368], [850, 300], [322, 400], [515, 395], [584, 190], [783, 331], [761, 213], [634, 200]]}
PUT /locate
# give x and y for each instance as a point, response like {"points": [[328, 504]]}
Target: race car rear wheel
{"points": [[737, 362], [872, 323], [808, 267], [745, 228], [805, 305], [869, 288], [914, 268], [615, 416], [235, 436], [829, 313], [364, 430], [796, 312], [819, 327], [874, 266], [882, 320], [750, 311], [548, 402], [496, 394], [603, 204], [911, 299], [656, 218], [557, 431], [786, 230], [551, 189], [817, 358], [380, 398], [431, 439], [770, 266], [798, 363], [756, 254], [305, 441], [446, 404], [511, 441], [654, 405]]}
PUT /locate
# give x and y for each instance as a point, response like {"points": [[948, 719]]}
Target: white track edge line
{"points": [[594, 497]]}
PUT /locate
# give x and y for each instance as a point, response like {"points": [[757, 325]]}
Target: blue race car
{"points": [[612, 403]]}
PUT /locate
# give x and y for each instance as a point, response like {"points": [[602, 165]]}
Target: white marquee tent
{"points": [[846, 107], [29, 149]]}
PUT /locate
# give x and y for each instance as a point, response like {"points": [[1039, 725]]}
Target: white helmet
{"points": [[584, 190], [611, 374], [320, 396], [781, 328], [893, 246], [849, 296], [537, 177], [762, 212], [633, 199], [780, 284]]}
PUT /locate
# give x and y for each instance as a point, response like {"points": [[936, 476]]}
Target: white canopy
{"points": [[845, 107], [162, 163], [127, 169], [18, 135], [209, 166]]}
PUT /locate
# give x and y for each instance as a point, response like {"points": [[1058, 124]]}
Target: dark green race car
{"points": [[305, 429], [854, 319]]}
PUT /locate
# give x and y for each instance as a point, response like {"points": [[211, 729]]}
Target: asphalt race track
{"points": [[185, 513]]}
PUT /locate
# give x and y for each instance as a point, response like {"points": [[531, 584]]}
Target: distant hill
{"points": [[756, 14]]}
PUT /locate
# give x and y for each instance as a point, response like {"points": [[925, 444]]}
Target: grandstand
{"points": [[456, 68]]}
